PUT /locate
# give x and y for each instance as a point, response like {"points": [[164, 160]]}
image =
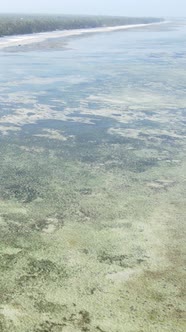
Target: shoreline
{"points": [[21, 40]]}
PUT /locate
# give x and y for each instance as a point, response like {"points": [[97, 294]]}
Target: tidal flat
{"points": [[93, 184]]}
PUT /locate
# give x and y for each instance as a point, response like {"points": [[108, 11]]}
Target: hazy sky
{"points": [[105, 7]]}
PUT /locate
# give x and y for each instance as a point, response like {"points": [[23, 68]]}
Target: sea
{"points": [[92, 181]]}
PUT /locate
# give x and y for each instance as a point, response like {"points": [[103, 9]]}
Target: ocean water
{"points": [[92, 182]]}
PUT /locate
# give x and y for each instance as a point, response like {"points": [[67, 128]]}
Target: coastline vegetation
{"points": [[27, 24]]}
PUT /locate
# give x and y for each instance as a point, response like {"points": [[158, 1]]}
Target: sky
{"points": [[163, 8]]}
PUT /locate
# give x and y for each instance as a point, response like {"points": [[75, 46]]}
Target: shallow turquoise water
{"points": [[109, 63]]}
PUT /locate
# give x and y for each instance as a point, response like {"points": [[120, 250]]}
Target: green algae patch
{"points": [[91, 236]]}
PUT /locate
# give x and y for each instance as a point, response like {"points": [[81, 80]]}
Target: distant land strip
{"points": [[11, 24], [36, 38]]}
